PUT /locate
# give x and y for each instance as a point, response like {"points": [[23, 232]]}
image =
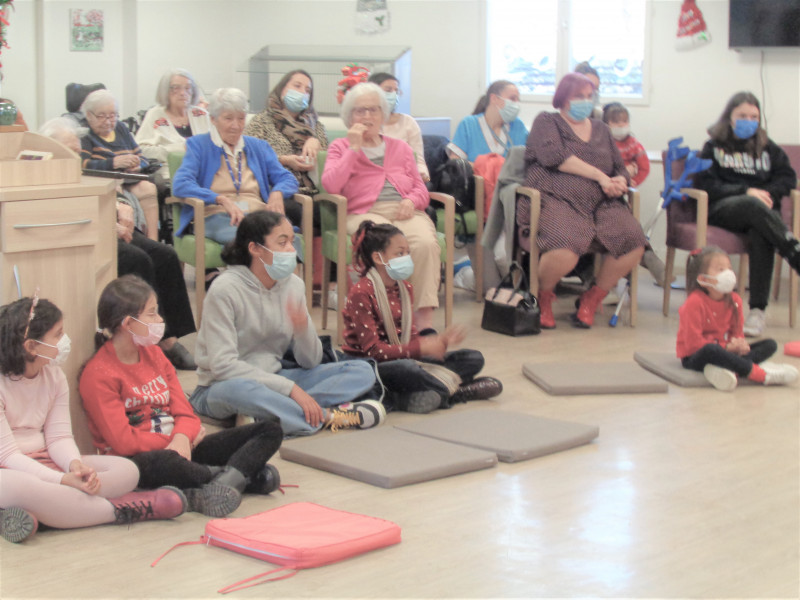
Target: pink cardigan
{"points": [[360, 180]]}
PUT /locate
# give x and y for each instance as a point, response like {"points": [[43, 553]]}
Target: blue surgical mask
{"points": [[283, 264], [745, 129], [391, 98], [399, 268], [295, 102], [580, 109], [509, 111]]}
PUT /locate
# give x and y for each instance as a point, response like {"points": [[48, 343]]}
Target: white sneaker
{"points": [[755, 323], [465, 279], [722, 379], [778, 373], [333, 299]]}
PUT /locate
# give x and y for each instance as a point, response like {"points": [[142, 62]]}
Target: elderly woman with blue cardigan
{"points": [[233, 174]]}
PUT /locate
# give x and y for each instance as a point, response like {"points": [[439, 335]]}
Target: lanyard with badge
{"points": [[507, 143], [237, 184]]}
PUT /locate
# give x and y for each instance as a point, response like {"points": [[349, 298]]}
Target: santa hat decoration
{"points": [[692, 30]]}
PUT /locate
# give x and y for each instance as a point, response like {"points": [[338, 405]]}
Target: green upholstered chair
{"points": [[207, 255], [337, 248]]}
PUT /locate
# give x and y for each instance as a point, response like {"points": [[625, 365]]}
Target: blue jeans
{"points": [[330, 384], [219, 229]]}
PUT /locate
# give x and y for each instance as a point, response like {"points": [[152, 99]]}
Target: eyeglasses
{"points": [[362, 111], [32, 314], [108, 117], [181, 88]]}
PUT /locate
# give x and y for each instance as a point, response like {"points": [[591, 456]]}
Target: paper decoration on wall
{"points": [[692, 29], [86, 30], [372, 16]]}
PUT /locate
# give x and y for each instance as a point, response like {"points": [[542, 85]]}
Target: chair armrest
{"points": [[449, 204], [307, 204], [307, 229], [795, 197], [701, 197], [635, 201], [340, 202], [199, 210]]}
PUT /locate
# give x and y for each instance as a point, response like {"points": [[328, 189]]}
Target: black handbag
{"points": [[511, 310]]}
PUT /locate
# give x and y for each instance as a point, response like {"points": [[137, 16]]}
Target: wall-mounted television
{"points": [[764, 24]]}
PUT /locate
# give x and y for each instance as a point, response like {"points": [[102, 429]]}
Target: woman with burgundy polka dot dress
{"points": [[573, 161]]}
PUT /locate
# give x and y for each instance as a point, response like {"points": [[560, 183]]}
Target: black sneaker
{"points": [[180, 357]]}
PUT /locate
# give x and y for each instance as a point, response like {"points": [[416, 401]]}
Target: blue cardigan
{"points": [[193, 178], [469, 136]]}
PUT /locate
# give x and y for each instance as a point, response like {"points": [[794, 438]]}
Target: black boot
{"points": [[231, 477], [481, 388], [213, 499], [266, 481]]}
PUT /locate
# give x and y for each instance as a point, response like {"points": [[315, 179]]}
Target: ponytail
{"points": [[370, 237]]}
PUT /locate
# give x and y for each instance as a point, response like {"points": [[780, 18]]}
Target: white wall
{"points": [[214, 38]]}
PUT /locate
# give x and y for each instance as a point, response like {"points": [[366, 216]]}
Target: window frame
{"points": [[563, 54]]}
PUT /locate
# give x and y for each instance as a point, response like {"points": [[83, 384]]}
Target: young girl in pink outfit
{"points": [[710, 333], [43, 477]]}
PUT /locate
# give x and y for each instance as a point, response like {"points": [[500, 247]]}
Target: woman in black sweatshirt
{"points": [[748, 177]]}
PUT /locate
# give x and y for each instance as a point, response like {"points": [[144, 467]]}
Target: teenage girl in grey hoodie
{"points": [[252, 315]]}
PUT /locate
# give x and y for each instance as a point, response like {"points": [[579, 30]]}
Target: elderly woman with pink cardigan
{"points": [[378, 175]]}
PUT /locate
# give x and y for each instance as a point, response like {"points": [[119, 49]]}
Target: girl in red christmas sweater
{"points": [[137, 409], [379, 325], [710, 336]]}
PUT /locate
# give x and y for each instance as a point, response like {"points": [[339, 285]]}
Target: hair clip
{"points": [[32, 314], [695, 252]]}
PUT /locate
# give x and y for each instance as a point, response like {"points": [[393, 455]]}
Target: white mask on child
{"points": [[64, 345], [724, 284]]}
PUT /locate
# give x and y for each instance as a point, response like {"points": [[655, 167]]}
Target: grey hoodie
{"points": [[245, 331]]}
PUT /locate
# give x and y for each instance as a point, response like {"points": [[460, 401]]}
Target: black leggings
{"points": [[245, 448], [714, 354], [404, 376], [766, 234], [159, 266]]}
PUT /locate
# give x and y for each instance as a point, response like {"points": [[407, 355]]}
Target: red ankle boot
{"points": [[166, 502], [589, 301], [547, 320]]}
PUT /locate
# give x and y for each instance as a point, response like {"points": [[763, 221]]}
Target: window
{"points": [[535, 42]]}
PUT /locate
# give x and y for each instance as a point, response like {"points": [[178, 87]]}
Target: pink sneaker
{"points": [[166, 502]]}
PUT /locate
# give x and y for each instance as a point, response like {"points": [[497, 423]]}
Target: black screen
{"points": [[764, 23]]}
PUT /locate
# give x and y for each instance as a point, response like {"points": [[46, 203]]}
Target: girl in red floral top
{"points": [[379, 325], [710, 336]]}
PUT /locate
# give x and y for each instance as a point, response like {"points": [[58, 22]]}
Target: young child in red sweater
{"points": [[378, 324], [137, 409], [616, 116], [710, 333]]}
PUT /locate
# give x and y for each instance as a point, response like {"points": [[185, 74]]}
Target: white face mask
{"points": [[724, 284], [64, 345], [620, 133], [155, 331]]}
